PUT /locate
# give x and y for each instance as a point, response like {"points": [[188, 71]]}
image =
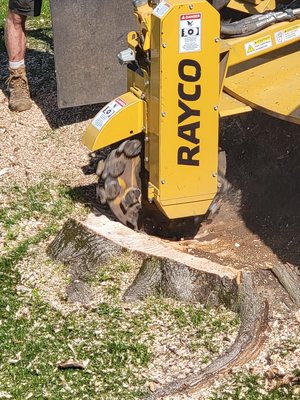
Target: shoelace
{"points": [[14, 78]]}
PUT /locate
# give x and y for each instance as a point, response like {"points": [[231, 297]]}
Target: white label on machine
{"points": [[258, 45], [190, 32], [107, 112], [287, 34], [161, 9]]}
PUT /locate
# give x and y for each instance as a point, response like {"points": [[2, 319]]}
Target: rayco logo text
{"points": [[189, 91]]}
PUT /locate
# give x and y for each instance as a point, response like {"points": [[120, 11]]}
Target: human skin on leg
{"points": [[15, 37], [15, 41]]}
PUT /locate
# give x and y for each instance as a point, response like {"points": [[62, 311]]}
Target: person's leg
{"points": [[15, 37], [15, 40]]}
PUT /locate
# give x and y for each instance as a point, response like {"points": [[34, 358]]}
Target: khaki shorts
{"points": [[26, 7]]}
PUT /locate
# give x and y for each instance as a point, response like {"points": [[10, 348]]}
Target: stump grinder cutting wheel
{"points": [[120, 184], [186, 69]]}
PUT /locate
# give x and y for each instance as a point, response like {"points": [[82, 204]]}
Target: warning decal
{"points": [[161, 9], [190, 32], [287, 34], [258, 45], [107, 112]]}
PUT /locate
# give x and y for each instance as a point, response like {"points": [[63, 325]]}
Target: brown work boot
{"points": [[19, 97]]}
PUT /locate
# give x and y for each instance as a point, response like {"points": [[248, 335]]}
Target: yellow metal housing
{"points": [[182, 151], [253, 6], [263, 42], [118, 120], [263, 70], [230, 106]]}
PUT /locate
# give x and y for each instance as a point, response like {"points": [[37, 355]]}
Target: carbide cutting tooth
{"points": [[106, 171], [130, 198], [120, 149], [100, 168], [100, 195], [115, 166], [132, 216], [112, 188], [132, 148]]}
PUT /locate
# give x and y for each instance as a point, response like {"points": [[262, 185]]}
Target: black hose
{"points": [[256, 23]]}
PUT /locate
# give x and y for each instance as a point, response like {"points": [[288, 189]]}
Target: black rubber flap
{"points": [[88, 35]]}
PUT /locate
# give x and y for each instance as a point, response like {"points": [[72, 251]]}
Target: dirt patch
{"points": [[258, 225]]}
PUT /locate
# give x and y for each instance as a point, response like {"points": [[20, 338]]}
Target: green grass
{"points": [[44, 20], [43, 338], [3, 11], [38, 29], [43, 202], [205, 328], [34, 338]]}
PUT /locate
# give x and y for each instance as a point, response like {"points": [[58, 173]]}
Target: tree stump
{"points": [[86, 246]]}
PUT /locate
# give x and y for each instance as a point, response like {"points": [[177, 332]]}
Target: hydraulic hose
{"points": [[256, 23]]}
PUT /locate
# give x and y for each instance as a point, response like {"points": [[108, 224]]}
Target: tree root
{"points": [[254, 322], [289, 278]]}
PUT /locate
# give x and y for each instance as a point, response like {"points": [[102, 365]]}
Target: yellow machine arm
{"points": [[185, 70]]}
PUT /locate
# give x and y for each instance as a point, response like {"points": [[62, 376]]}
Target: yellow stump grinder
{"points": [[190, 63]]}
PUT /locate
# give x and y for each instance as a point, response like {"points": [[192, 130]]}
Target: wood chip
{"points": [[4, 171], [73, 364], [5, 395], [13, 361]]}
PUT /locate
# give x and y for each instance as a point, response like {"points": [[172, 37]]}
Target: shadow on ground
{"points": [[85, 195], [263, 155], [42, 83]]}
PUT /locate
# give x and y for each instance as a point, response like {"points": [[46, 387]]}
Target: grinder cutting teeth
{"points": [[119, 182]]}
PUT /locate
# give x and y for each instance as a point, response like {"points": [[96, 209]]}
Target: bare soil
{"points": [[258, 225]]}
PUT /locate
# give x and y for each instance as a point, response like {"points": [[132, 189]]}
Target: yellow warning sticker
{"points": [[250, 49], [287, 34], [258, 45]]}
